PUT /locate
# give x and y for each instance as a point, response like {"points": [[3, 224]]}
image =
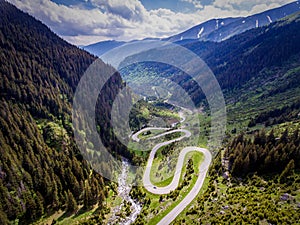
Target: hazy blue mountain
{"points": [[101, 47]]}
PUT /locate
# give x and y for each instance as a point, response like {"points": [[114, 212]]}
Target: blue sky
{"points": [[83, 22], [174, 5]]}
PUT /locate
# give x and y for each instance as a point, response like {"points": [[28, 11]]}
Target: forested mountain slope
{"points": [[41, 169], [242, 57]]}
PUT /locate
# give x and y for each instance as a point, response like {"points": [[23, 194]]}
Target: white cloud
{"points": [[197, 4], [254, 6], [129, 9], [128, 19], [112, 19]]}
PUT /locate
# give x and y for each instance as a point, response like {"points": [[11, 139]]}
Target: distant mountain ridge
{"points": [[202, 30], [215, 30], [100, 48]]}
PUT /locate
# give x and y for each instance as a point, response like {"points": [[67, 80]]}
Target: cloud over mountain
{"points": [[126, 20]]}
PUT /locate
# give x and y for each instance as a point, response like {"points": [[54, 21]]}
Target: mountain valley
{"points": [[167, 163]]}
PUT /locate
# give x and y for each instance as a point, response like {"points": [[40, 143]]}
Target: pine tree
{"points": [[289, 169], [284, 137], [39, 204], [271, 138], [87, 196], [246, 165], [71, 203]]}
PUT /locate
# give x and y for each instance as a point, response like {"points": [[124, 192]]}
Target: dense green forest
{"points": [[264, 154], [41, 168]]}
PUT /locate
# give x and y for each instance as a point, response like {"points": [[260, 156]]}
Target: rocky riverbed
{"points": [[121, 215]]}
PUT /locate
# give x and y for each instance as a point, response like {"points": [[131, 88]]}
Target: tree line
{"points": [[264, 153]]}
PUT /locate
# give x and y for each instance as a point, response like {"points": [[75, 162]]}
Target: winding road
{"points": [[203, 168]]}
